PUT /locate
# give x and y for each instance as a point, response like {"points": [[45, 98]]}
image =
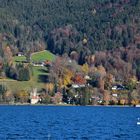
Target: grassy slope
{"points": [[37, 71], [38, 56], [26, 85], [43, 55], [19, 58]]}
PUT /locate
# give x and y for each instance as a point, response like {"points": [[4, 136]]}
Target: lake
{"points": [[69, 123]]}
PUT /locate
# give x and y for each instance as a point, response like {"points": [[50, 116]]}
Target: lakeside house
{"points": [[34, 97], [118, 89]]}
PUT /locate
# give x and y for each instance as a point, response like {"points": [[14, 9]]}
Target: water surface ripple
{"points": [[69, 123]]}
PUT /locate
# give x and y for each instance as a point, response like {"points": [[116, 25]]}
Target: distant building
{"points": [[20, 54], [118, 87], [87, 77], [38, 64], [34, 97], [78, 85], [115, 95]]}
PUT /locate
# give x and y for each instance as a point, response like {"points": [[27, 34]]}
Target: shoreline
{"points": [[67, 105]]}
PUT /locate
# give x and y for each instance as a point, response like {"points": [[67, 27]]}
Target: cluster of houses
{"points": [[116, 89], [35, 97]]}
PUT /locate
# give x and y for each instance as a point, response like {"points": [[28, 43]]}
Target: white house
{"points": [[114, 88], [87, 77], [34, 96], [38, 64], [118, 87], [20, 54], [78, 85], [115, 95]]}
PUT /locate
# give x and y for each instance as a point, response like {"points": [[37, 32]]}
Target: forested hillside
{"points": [[67, 25]]}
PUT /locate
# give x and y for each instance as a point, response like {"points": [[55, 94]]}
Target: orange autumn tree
{"points": [[106, 97], [79, 79], [67, 77]]}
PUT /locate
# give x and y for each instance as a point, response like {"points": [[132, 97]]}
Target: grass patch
{"points": [[21, 85], [40, 74], [43, 55], [19, 58], [37, 57], [39, 71], [37, 81]]}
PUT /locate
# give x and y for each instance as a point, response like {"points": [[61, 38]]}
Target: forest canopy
{"points": [[71, 25]]}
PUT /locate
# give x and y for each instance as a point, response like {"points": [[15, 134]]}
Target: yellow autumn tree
{"points": [[85, 68], [49, 87], [132, 82], [67, 77], [23, 96]]}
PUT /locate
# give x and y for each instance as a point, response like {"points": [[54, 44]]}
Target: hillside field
{"points": [[38, 72], [38, 56]]}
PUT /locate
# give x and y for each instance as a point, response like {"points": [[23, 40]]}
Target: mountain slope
{"points": [[63, 24]]}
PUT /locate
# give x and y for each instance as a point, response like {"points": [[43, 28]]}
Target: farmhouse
{"points": [[20, 54]]}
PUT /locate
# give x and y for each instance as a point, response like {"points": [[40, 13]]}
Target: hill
{"points": [[67, 26]]}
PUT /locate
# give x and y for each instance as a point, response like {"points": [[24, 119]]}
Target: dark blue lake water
{"points": [[68, 123]]}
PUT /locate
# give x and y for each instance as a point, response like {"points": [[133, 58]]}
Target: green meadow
{"points": [[37, 57], [42, 56], [39, 74]]}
